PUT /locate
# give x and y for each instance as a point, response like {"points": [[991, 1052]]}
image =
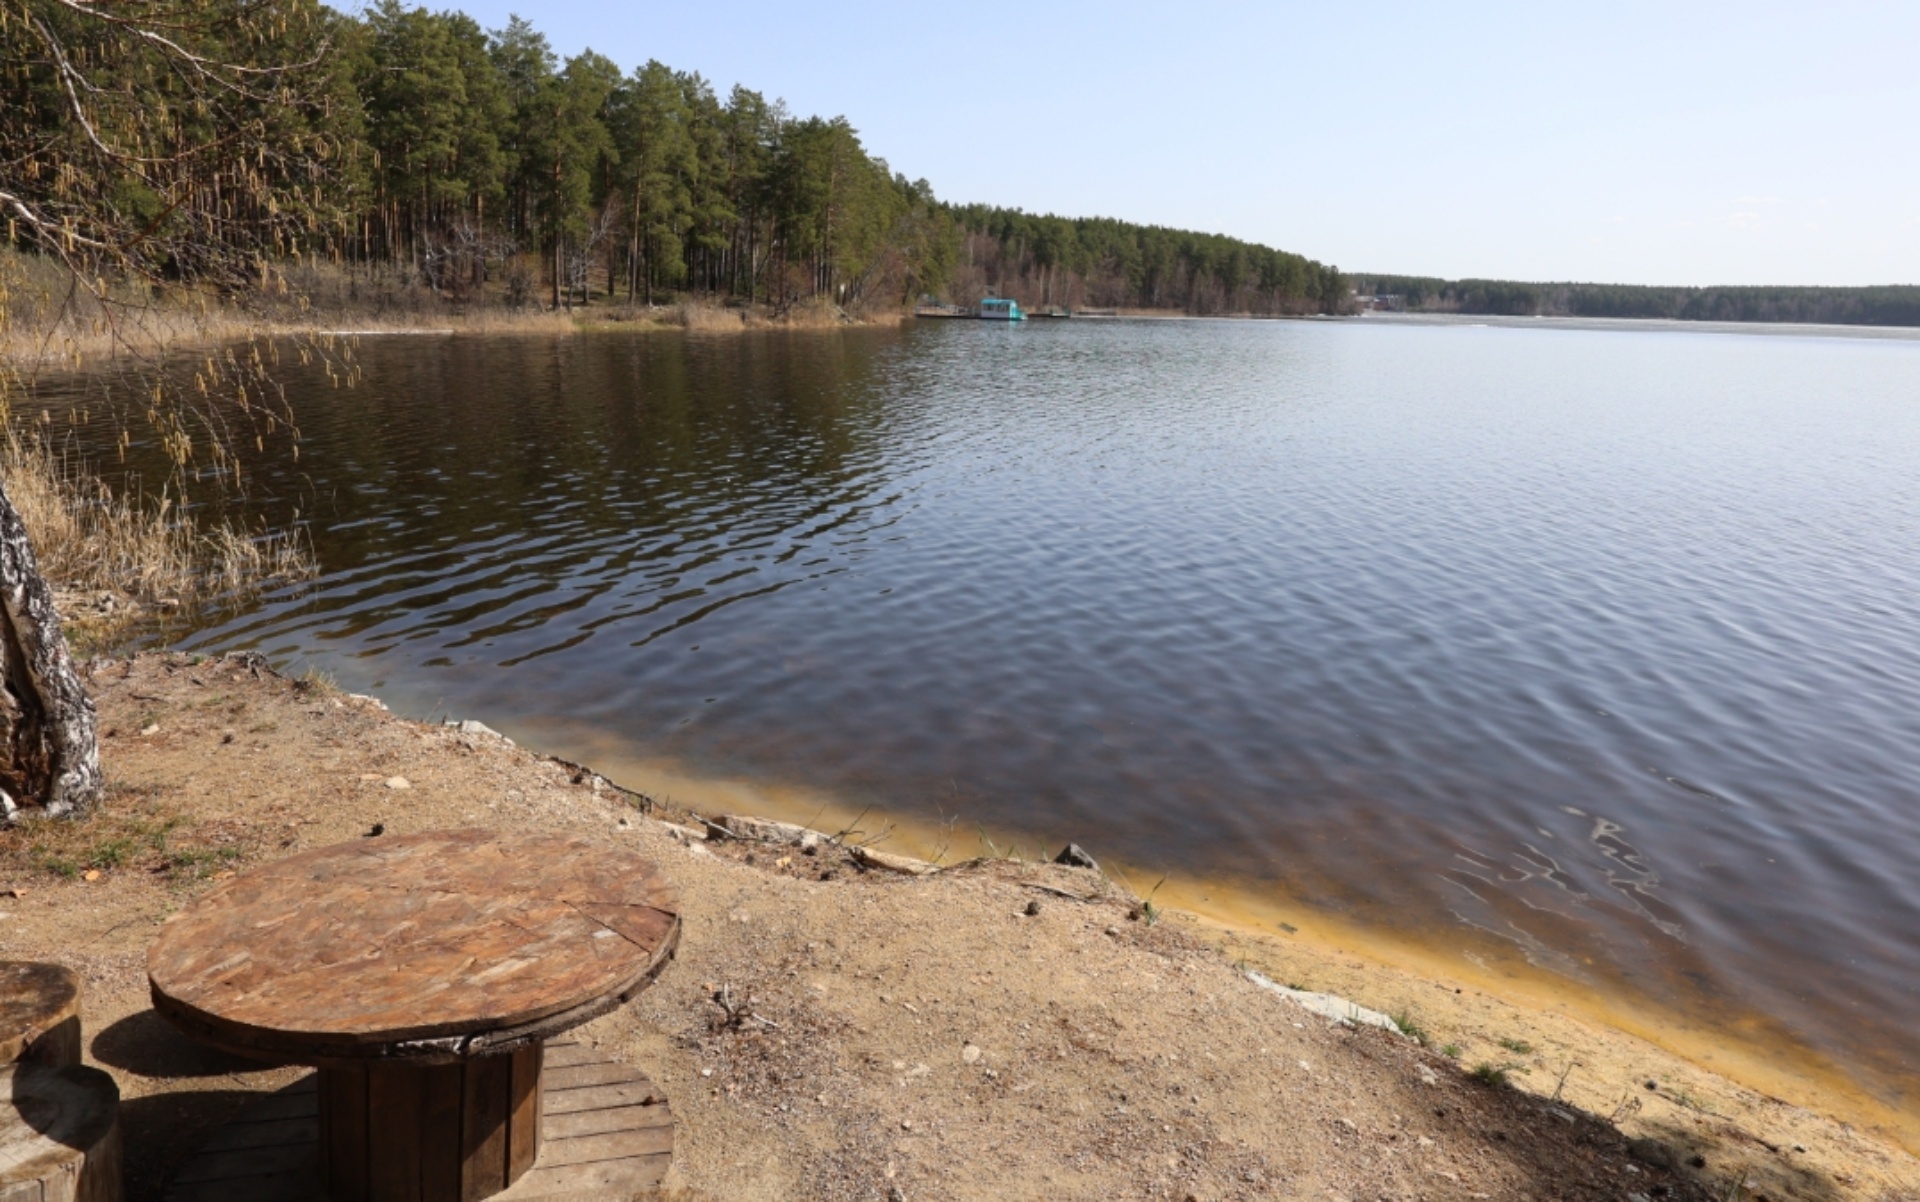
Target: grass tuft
{"points": [[1494, 1075], [1408, 1026]]}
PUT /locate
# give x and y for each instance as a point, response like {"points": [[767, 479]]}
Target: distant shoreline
{"points": [[1674, 324]]}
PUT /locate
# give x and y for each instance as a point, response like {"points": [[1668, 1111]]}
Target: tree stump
{"points": [[39, 1013], [59, 1134]]}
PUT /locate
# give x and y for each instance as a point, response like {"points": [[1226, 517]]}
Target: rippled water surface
{"points": [[1605, 643]]}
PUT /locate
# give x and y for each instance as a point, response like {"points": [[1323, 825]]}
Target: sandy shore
{"points": [[994, 1029]]}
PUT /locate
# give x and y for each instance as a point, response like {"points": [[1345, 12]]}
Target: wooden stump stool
{"points": [[59, 1134], [423, 975], [39, 1013]]}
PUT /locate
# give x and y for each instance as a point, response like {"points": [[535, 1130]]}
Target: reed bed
{"points": [[90, 538]]}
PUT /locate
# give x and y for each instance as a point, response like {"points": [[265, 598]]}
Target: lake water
{"points": [[1599, 647]]}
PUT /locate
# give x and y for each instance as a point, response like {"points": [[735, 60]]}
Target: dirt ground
{"points": [[996, 1029]]}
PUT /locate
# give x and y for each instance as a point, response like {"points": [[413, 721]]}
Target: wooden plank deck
{"points": [[607, 1135]]}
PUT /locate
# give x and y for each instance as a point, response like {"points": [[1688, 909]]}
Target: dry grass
{"points": [[88, 537]]}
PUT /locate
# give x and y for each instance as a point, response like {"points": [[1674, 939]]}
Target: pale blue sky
{"points": [[1655, 143]]}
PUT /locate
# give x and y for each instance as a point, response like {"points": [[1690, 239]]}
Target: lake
{"points": [[1593, 650]]}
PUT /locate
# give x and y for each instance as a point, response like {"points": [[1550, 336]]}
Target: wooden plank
{"points": [[601, 1182], [22, 1191], [301, 1100], [273, 1133], [343, 1102], [523, 1117], [396, 1104], [373, 948], [483, 1127], [246, 1162], [568, 1054], [606, 1119], [614, 1145], [277, 1187], [39, 1013], [440, 1131], [579, 1076], [600, 1097]]}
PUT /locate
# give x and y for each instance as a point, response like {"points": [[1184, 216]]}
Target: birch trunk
{"points": [[52, 756]]}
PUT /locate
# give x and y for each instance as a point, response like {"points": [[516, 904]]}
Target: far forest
{"points": [[416, 152], [1890, 305]]}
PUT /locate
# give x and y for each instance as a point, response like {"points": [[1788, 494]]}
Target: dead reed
{"points": [[89, 537]]}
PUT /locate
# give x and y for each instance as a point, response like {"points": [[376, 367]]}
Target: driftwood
{"points": [[51, 756]]}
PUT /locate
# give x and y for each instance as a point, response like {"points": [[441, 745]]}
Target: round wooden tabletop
{"points": [[36, 999], [434, 946]]}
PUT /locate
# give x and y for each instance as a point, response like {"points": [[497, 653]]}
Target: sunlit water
{"points": [[1603, 642]]}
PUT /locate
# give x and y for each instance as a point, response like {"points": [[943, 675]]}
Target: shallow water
{"points": [[1598, 645]]}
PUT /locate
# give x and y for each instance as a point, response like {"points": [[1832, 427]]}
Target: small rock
{"points": [[706, 1072], [1074, 856], [1651, 1152], [896, 1194], [152, 729], [1427, 1076], [377, 829], [970, 1054], [1033, 909], [399, 782], [1114, 931], [905, 865], [906, 1124], [91, 874]]}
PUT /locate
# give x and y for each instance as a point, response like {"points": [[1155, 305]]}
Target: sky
{"points": [[1667, 143]]}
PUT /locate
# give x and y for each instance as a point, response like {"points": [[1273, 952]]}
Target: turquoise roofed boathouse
{"points": [[995, 308]]}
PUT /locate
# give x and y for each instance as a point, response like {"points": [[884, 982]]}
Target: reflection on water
{"points": [[1601, 644]]}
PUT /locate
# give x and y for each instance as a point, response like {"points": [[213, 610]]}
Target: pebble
{"points": [[154, 729], [970, 1054], [1114, 931], [1033, 909], [399, 782]]}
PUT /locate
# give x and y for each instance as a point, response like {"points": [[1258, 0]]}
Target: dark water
{"points": [[1604, 642]]}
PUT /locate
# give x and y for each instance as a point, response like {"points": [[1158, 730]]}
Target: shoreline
{"points": [[1382, 969], [1147, 1061], [172, 328]]}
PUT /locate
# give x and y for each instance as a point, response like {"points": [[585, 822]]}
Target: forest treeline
{"points": [[1889, 305], [473, 162]]}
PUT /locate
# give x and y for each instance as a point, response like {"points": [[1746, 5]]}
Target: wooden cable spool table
{"points": [[422, 975]]}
